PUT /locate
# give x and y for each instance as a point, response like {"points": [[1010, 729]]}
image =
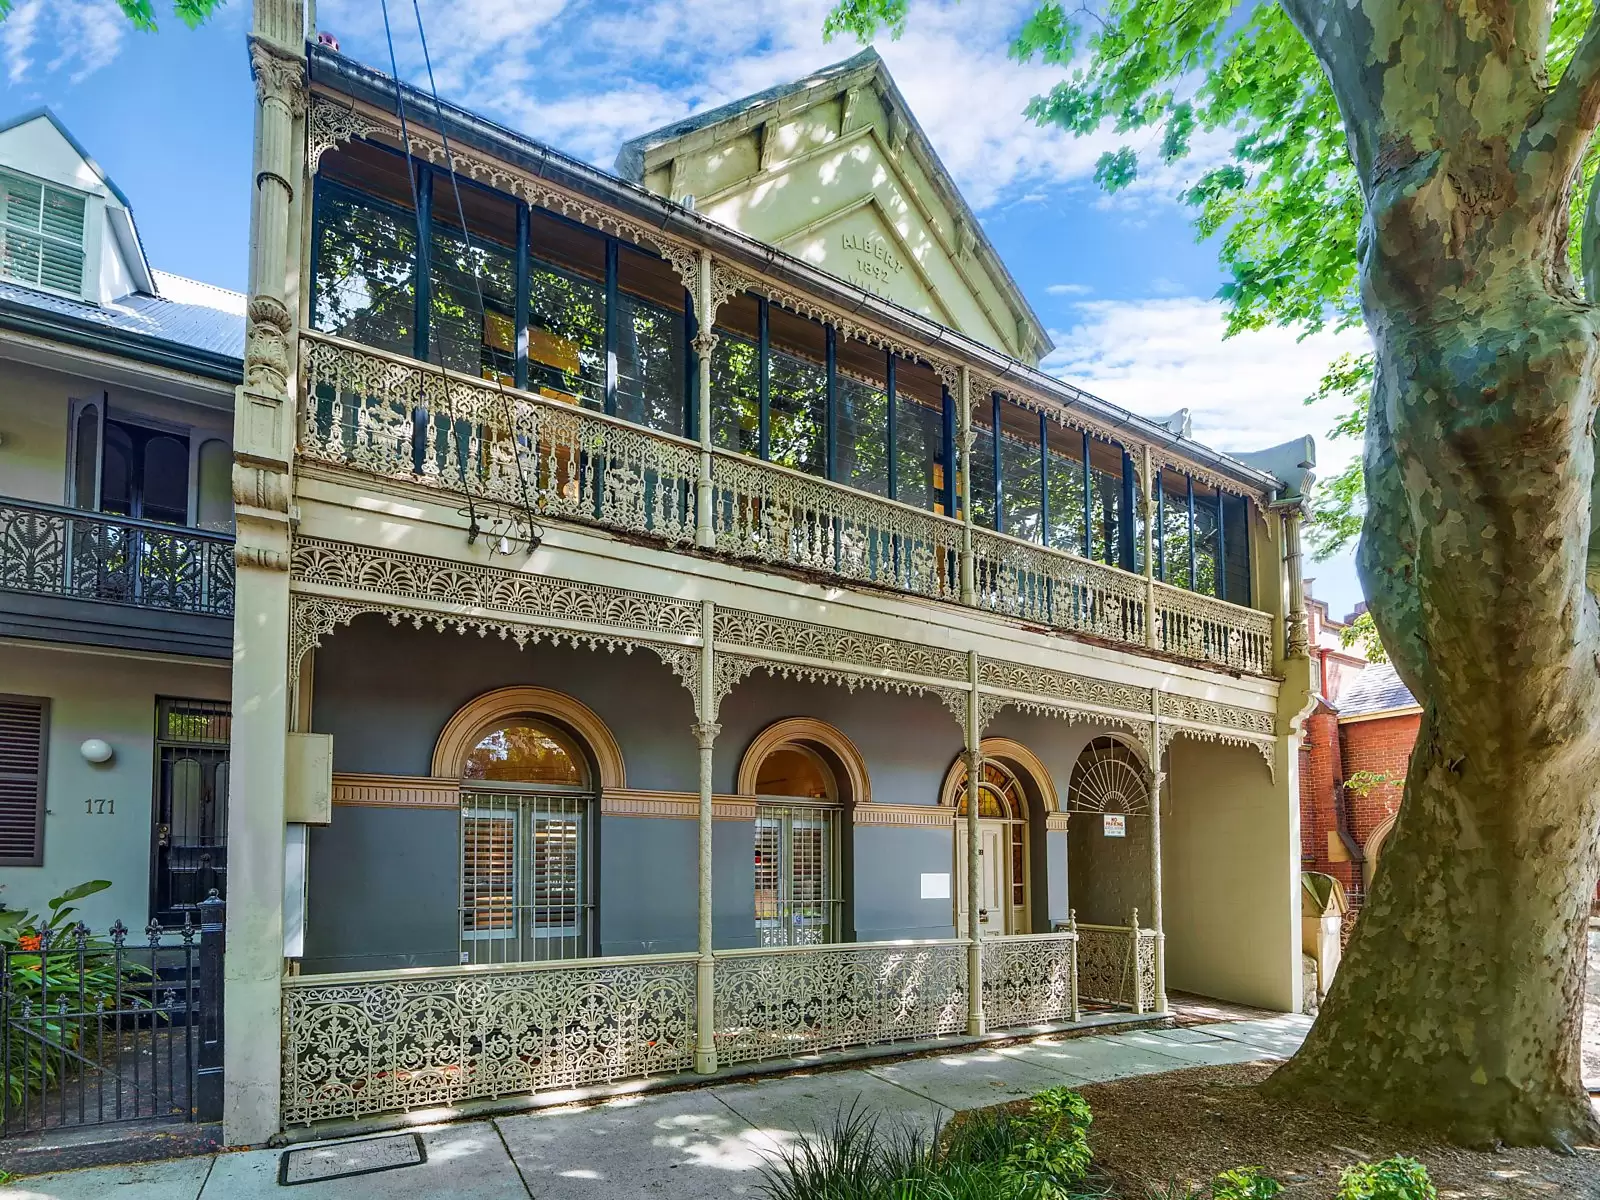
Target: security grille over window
{"points": [[41, 235], [191, 811], [1108, 778], [526, 809], [797, 850]]}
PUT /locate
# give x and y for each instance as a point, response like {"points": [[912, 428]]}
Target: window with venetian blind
{"points": [[24, 743], [797, 902], [41, 235]]}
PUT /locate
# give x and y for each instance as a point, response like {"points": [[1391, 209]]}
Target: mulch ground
{"points": [[1188, 1125]]}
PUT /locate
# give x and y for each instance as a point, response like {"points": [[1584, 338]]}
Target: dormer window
{"points": [[41, 235]]}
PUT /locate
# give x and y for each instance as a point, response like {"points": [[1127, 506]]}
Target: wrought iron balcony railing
{"points": [[52, 551], [401, 419]]}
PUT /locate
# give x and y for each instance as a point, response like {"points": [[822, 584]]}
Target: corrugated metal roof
{"points": [[1377, 689], [187, 313]]}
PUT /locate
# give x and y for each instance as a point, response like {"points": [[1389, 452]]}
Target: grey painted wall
{"points": [[383, 881]]}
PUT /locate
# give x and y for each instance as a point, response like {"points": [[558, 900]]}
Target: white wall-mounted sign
{"points": [[1116, 825], [936, 886]]}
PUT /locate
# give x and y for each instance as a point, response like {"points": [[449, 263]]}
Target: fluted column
{"points": [[705, 733], [263, 495], [1296, 633]]}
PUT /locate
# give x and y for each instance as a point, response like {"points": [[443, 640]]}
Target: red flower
{"points": [[28, 941]]}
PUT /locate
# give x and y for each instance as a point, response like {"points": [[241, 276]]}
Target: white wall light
{"points": [[97, 751]]}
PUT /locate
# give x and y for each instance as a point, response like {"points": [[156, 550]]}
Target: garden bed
{"points": [[1188, 1125]]}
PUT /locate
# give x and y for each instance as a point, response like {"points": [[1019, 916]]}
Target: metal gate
{"points": [[101, 1029], [190, 838]]}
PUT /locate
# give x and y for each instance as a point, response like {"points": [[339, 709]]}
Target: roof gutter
{"points": [[470, 130], [88, 335]]}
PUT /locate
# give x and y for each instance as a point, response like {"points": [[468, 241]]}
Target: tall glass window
{"points": [[1105, 502], [863, 431], [1020, 478], [982, 467], [566, 311], [364, 248], [1173, 513], [798, 392], [921, 472], [1236, 555], [651, 354], [736, 377], [797, 898], [1066, 489], [462, 334], [1206, 575]]}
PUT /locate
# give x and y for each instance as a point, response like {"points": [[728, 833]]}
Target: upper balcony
{"points": [[532, 344]]}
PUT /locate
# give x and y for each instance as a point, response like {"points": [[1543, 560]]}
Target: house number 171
{"points": [[100, 808]]}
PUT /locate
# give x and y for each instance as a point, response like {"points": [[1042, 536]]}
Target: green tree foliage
{"points": [[1285, 203], [142, 13]]}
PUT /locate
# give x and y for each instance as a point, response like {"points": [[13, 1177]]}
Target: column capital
{"points": [[279, 75], [705, 733]]}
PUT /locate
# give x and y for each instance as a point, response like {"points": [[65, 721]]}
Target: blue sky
{"points": [[1119, 280]]}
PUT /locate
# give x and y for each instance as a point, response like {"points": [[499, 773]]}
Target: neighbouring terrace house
{"points": [[116, 548], [631, 590]]}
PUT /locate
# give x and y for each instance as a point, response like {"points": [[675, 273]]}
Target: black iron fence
{"points": [[115, 1028], [87, 556]]}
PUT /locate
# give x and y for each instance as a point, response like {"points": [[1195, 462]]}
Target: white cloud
{"points": [[1245, 393], [86, 35], [1068, 289], [586, 77], [17, 35]]}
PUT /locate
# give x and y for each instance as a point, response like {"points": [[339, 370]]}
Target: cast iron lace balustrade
{"points": [[1111, 966], [378, 1042], [1049, 587], [86, 556], [775, 1003], [1030, 979], [1195, 626], [400, 419], [767, 512]]}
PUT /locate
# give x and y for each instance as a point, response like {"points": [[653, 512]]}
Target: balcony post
{"points": [[969, 591], [1296, 633], [705, 732], [1147, 507], [975, 1018], [264, 412], [705, 341]]}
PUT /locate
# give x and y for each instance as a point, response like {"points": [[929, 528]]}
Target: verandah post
{"points": [[705, 732], [1156, 778], [975, 1021], [969, 589], [705, 342], [1146, 506]]}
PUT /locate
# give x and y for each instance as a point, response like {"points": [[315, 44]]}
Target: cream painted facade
{"points": [[834, 170], [591, 531]]}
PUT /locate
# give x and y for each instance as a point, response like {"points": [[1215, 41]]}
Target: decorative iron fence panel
{"points": [[405, 420], [83, 555], [98, 1030], [376, 1042], [401, 419], [1029, 979], [777, 515], [777, 1003], [1202, 627], [1116, 966], [1032, 583]]}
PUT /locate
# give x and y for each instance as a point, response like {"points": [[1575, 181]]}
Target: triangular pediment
{"points": [[834, 169]]}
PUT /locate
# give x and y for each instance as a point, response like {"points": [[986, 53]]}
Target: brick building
{"points": [[1354, 757]]}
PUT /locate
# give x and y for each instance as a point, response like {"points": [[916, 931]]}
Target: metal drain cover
{"points": [[340, 1160]]}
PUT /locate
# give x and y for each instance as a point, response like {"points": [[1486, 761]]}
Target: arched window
{"points": [[1108, 778], [527, 804], [1000, 798], [802, 773]]}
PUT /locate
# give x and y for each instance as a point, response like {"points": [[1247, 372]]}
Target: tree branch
{"points": [[1340, 35], [1569, 115]]}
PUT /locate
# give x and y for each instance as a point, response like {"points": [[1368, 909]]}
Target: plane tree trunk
{"points": [[1459, 1004]]}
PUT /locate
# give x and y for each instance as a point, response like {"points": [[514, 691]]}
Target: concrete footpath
{"points": [[706, 1142]]}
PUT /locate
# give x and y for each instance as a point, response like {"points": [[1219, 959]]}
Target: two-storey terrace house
{"points": [[116, 547], [636, 570]]}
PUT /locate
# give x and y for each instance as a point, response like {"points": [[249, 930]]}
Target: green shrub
{"points": [[1397, 1178], [1245, 1183]]}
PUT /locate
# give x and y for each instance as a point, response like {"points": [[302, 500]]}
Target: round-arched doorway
{"points": [[1013, 796], [530, 784]]}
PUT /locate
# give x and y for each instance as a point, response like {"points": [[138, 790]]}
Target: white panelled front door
{"points": [[994, 890]]}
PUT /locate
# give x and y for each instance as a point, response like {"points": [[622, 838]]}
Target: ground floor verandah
{"points": [[520, 888]]}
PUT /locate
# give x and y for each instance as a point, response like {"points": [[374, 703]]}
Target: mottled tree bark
{"points": [[1459, 1004]]}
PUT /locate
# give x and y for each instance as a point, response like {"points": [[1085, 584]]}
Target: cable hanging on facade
{"points": [[535, 534]]}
